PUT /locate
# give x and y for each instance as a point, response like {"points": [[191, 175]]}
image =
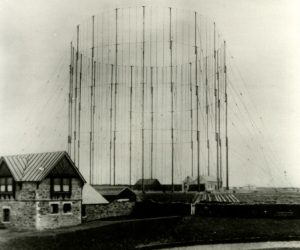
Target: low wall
{"points": [[113, 209], [248, 210], [156, 209]]}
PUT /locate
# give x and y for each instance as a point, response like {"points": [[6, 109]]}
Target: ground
{"points": [[148, 233], [153, 232]]}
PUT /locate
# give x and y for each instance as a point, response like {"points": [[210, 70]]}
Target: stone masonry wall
{"points": [[31, 207], [22, 214], [46, 220], [22, 209], [113, 209]]}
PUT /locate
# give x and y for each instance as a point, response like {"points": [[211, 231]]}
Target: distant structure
{"points": [[149, 185], [116, 193], [148, 97], [40, 191], [208, 183]]}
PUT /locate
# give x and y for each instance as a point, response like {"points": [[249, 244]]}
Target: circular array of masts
{"points": [[148, 97]]}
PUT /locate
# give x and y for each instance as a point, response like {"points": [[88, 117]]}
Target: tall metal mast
{"points": [[110, 129], [207, 114], [143, 99], [216, 107], [151, 90], [76, 87], [79, 111], [151, 153], [197, 106], [219, 121], [115, 101], [226, 117], [130, 127], [172, 99], [91, 105], [191, 115], [70, 101]]}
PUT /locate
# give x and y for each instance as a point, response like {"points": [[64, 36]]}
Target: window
{"points": [[57, 187], [6, 214], [61, 186], [83, 210], [54, 209], [67, 208], [66, 185], [6, 185]]}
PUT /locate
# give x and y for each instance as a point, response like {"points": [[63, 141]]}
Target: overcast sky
{"points": [[263, 37]]}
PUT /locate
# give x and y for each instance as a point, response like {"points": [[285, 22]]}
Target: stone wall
{"points": [[113, 209], [46, 220], [31, 207], [22, 214]]}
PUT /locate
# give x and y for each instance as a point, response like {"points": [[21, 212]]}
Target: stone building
{"points": [[40, 191]]}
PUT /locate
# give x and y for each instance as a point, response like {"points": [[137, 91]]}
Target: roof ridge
{"points": [[29, 154]]}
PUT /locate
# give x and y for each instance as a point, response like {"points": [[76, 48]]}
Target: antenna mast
{"points": [[91, 106], [143, 99], [216, 106], [151, 155], [130, 126], [226, 117], [70, 101], [115, 101], [172, 101], [76, 87], [191, 115], [197, 106], [219, 122], [207, 114], [79, 110], [110, 129]]}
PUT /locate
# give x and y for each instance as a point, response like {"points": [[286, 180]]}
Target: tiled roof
{"points": [[34, 167]]}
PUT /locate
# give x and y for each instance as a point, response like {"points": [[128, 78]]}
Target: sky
{"points": [[263, 39]]}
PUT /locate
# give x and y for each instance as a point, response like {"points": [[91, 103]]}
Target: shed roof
{"points": [[35, 167], [111, 190], [91, 196], [147, 182]]}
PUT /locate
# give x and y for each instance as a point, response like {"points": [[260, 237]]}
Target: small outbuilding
{"points": [[207, 183], [149, 185], [116, 193]]}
